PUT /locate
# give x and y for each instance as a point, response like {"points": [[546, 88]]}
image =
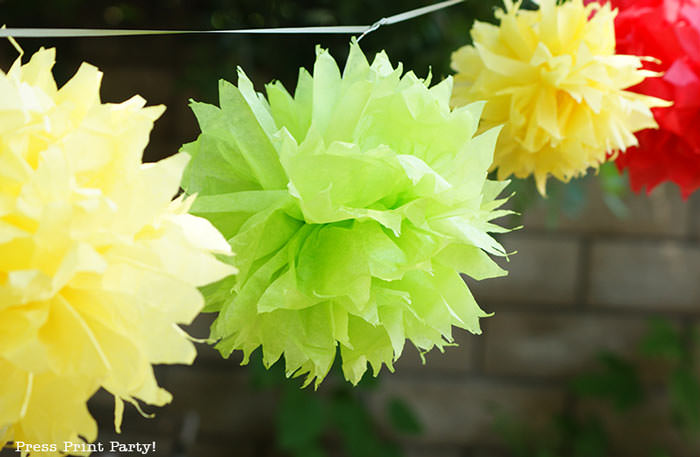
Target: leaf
{"points": [[590, 439], [545, 453], [574, 198], [685, 398], [402, 417], [614, 186], [300, 421], [313, 450], [663, 341], [616, 205], [611, 181], [521, 440], [357, 431], [618, 382], [660, 453]]}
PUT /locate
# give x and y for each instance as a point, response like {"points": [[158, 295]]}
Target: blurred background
{"points": [[593, 350]]}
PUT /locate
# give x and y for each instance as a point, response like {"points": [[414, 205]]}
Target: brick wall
{"points": [[589, 284]]}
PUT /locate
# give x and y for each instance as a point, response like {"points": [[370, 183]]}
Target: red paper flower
{"points": [[668, 30]]}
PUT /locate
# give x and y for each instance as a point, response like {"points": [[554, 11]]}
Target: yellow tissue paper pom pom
{"points": [[552, 77], [97, 264]]}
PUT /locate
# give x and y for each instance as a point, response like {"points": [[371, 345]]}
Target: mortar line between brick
{"points": [[609, 236], [542, 383]]}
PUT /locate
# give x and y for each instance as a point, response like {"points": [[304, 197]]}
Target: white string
{"points": [[339, 29], [94, 33], [420, 11]]}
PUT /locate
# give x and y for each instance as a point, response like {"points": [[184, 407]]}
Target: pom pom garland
{"points": [[669, 31], [351, 207], [553, 79], [97, 265]]}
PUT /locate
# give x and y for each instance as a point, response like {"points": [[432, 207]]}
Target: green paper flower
{"points": [[352, 207]]}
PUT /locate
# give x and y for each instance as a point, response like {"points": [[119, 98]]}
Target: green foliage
{"points": [[357, 430], [522, 441], [421, 44], [666, 343], [335, 418], [565, 436], [402, 418], [684, 390], [616, 383], [614, 186], [584, 437], [300, 422], [660, 453], [663, 341], [570, 199]]}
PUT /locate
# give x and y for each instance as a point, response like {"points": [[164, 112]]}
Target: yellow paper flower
{"points": [[553, 79], [97, 264]]}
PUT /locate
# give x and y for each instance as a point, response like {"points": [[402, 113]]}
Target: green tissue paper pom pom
{"points": [[351, 206]]}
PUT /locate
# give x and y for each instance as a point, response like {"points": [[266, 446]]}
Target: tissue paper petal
{"points": [[343, 203], [97, 264], [552, 78], [669, 31]]}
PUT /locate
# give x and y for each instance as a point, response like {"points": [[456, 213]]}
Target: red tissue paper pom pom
{"points": [[669, 31]]}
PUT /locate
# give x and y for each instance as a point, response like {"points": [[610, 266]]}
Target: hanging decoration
{"points": [[352, 206], [552, 78], [97, 264], [668, 31]]}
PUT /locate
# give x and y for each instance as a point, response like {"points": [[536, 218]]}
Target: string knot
{"points": [[373, 27]]}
